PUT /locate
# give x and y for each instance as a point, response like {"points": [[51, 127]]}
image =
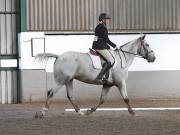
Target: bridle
{"points": [[146, 54], [138, 54]]}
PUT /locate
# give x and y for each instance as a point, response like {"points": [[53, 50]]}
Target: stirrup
{"points": [[104, 79]]}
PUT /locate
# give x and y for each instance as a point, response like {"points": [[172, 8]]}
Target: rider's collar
{"points": [[101, 22]]}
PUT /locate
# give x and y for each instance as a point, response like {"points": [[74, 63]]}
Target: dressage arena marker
{"points": [[125, 109]]}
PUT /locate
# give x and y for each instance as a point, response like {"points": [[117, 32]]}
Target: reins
{"points": [[135, 54]]}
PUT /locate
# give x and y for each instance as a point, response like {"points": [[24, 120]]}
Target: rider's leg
{"points": [[107, 55], [110, 61]]}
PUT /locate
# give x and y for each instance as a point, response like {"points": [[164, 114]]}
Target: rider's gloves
{"points": [[116, 48]]}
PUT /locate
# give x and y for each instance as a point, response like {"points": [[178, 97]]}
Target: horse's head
{"points": [[145, 51]]}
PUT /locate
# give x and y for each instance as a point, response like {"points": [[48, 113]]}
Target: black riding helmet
{"points": [[103, 16]]}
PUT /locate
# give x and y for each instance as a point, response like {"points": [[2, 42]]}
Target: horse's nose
{"points": [[154, 58]]}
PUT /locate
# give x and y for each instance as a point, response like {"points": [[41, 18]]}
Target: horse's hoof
{"points": [[38, 115], [81, 113], [136, 115], [131, 112], [89, 112]]}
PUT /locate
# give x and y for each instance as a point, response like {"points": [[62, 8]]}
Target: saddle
{"points": [[93, 52], [98, 61]]}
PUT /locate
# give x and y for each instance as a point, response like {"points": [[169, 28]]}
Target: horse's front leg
{"points": [[123, 91], [104, 93]]}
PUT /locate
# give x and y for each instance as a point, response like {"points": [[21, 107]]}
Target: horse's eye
{"points": [[147, 45]]}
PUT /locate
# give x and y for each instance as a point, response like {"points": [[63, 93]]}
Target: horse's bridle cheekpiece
{"points": [[138, 54]]}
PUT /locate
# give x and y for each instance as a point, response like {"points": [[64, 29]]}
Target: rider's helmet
{"points": [[103, 16]]}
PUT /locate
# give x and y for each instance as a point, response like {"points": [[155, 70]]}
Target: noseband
{"points": [[145, 56]]}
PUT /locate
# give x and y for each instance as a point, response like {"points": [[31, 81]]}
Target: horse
{"points": [[76, 65]]}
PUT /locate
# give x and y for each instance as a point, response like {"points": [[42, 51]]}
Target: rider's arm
{"points": [[106, 38]]}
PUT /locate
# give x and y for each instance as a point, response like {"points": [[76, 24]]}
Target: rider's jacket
{"points": [[101, 40]]}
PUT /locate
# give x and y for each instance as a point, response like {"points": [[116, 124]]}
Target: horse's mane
{"points": [[132, 41]]}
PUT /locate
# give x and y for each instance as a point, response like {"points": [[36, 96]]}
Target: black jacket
{"points": [[103, 40]]}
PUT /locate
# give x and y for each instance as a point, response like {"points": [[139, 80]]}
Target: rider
{"points": [[101, 44]]}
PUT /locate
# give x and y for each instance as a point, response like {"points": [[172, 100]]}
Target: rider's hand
{"points": [[116, 48]]}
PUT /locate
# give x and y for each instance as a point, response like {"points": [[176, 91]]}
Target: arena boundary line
{"points": [[125, 109]]}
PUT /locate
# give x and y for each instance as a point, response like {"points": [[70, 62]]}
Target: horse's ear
{"points": [[143, 36]]}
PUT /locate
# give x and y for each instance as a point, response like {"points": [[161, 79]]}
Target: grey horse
{"points": [[75, 65]]}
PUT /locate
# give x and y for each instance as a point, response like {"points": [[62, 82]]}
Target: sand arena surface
{"points": [[18, 120]]}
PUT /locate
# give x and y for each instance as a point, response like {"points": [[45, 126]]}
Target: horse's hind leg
{"points": [[70, 95], [104, 93], [50, 95]]}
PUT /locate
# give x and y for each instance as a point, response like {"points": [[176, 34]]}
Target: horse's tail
{"points": [[43, 57]]}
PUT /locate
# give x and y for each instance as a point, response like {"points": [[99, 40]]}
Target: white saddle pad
{"points": [[97, 61]]}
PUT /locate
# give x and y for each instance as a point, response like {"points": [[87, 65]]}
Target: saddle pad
{"points": [[97, 61]]}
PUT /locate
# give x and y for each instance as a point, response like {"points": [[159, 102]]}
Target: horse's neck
{"points": [[131, 48], [129, 59]]}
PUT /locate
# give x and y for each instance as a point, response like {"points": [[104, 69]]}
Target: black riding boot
{"points": [[105, 68]]}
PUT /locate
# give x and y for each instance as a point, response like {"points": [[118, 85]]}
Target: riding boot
{"points": [[105, 68]]}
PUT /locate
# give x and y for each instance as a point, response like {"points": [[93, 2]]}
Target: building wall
{"points": [[8, 50], [156, 80], [165, 46], [82, 15], [128, 16], [140, 85]]}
